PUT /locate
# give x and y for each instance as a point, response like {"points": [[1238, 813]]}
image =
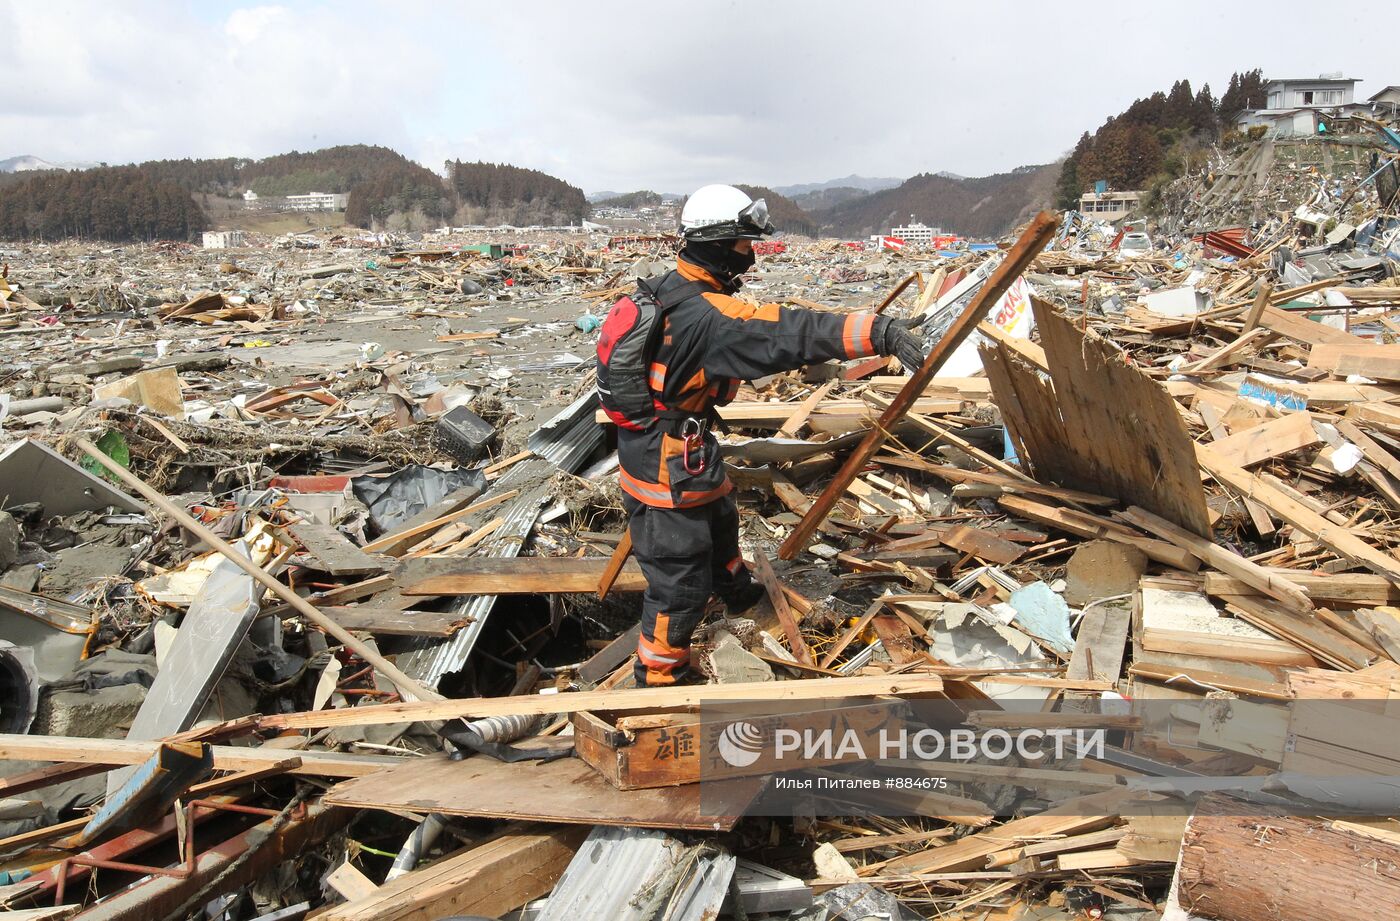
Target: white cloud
{"points": [[625, 94]]}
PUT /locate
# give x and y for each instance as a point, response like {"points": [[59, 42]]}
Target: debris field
{"points": [[313, 604]]}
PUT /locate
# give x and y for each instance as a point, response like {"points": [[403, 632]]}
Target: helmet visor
{"points": [[754, 218]]}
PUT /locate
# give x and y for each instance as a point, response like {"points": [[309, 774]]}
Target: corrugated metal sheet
{"points": [[630, 874], [566, 441], [571, 437], [431, 658]]}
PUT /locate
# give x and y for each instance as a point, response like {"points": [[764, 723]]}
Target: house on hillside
{"points": [[1295, 107], [1387, 100], [1110, 206]]}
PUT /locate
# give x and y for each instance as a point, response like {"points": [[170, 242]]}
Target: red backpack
{"points": [[626, 344]]}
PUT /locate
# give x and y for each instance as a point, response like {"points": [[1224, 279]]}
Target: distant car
{"points": [[1135, 244]]}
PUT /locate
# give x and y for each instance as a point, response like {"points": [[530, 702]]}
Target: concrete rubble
{"points": [[1150, 493]]}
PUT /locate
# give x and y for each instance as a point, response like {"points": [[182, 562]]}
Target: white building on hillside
{"points": [[317, 201]]}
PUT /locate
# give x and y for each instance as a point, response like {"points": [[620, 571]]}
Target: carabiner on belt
{"points": [[693, 439]]}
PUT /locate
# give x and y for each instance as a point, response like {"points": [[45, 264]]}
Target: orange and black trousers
{"points": [[687, 556]]}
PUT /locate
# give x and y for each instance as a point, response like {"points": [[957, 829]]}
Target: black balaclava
{"points": [[720, 259]]}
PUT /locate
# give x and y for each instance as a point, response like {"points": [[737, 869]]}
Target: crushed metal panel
{"points": [[570, 437], [215, 624], [607, 876], [31, 471], [431, 658]]}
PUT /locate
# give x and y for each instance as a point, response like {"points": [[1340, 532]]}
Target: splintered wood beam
{"points": [[763, 570], [615, 564], [898, 290], [1030, 245]]}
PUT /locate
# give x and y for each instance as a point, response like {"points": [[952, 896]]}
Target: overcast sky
{"points": [[622, 96]]}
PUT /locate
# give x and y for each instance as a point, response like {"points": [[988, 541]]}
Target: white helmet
{"points": [[722, 212]]}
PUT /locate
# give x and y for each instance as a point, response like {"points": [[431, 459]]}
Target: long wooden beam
{"points": [[517, 576], [1032, 242], [612, 701], [119, 752]]}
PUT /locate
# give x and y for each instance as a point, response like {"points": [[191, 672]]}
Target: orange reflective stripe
{"points": [[649, 493], [656, 377], [855, 335], [700, 498]]}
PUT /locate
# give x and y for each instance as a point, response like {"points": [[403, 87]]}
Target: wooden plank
{"points": [[115, 752], [398, 542], [350, 882], [1383, 416], [1372, 359], [1100, 643], [1124, 435], [1084, 524], [1203, 680], [1275, 586], [1256, 309], [1359, 589], [1337, 539], [1242, 861], [487, 880], [333, 551], [1304, 630], [615, 563], [1290, 432], [1303, 330], [798, 419], [1080, 814], [615, 700], [1009, 484], [39, 778], [981, 544], [763, 571], [396, 621], [1039, 233], [523, 575], [564, 790]]}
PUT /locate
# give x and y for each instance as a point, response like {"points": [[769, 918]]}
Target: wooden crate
{"points": [[637, 751]]}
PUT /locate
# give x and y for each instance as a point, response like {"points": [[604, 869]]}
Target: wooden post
{"points": [[1032, 241], [1256, 310], [300, 604], [619, 558]]}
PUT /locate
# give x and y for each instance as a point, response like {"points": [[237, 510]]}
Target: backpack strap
{"points": [[668, 296]]}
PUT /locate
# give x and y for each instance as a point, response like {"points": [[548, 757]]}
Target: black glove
{"points": [[892, 337]]}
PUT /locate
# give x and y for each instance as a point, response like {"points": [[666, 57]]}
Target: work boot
{"points": [[745, 598]]}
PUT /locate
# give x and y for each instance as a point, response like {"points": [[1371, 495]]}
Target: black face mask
{"points": [[721, 260]]}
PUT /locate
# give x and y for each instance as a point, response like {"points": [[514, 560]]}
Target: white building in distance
{"points": [[317, 201], [223, 239]]}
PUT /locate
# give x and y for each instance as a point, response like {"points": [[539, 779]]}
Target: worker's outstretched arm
{"points": [[747, 341]]}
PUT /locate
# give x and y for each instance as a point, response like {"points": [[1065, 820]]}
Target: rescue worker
{"points": [[682, 517]]}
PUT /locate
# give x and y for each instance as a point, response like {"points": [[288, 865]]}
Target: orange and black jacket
{"points": [[710, 342]]}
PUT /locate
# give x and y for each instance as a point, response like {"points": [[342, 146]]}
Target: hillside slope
{"points": [[984, 207]]}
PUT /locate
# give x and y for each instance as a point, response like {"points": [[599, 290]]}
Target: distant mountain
{"points": [[26, 163], [823, 199], [864, 183], [985, 207], [628, 200], [785, 214]]}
